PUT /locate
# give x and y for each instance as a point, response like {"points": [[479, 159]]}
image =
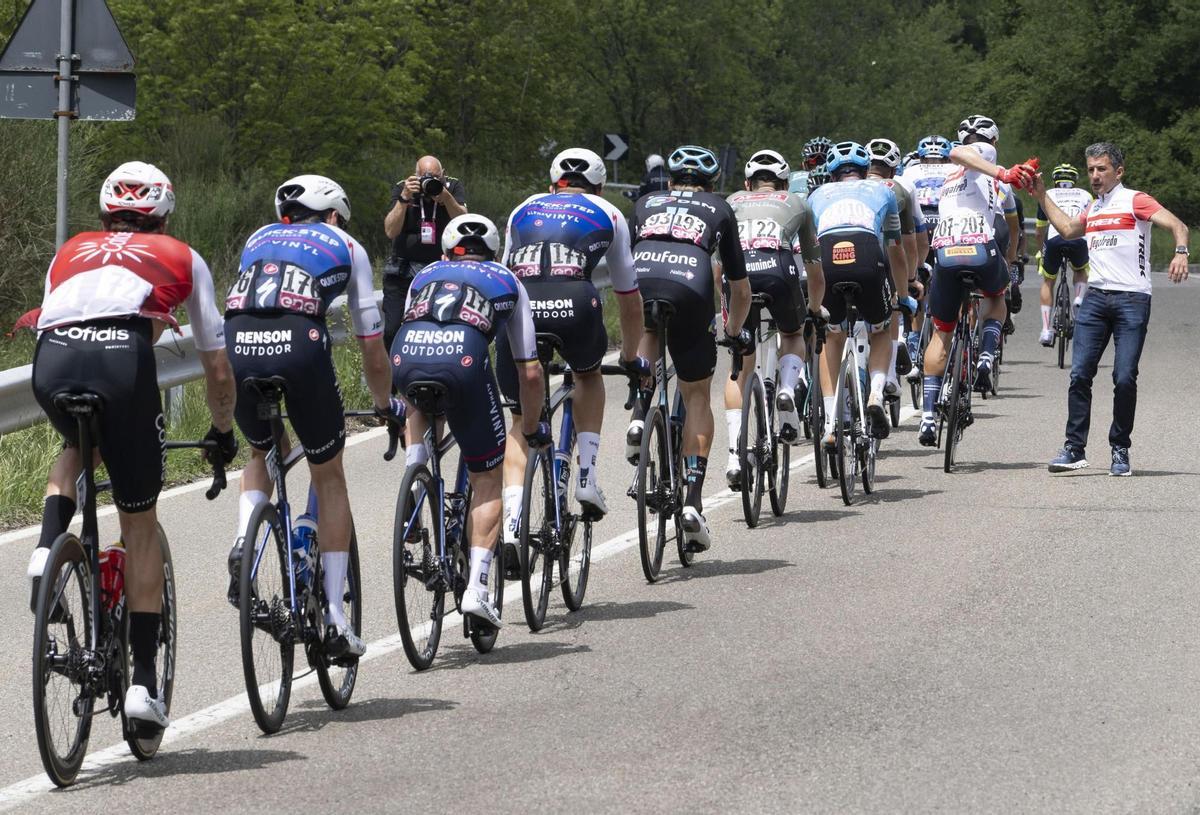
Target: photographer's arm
{"points": [[393, 222], [452, 205]]}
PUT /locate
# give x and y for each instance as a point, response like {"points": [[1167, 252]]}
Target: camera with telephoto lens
{"points": [[431, 186]]}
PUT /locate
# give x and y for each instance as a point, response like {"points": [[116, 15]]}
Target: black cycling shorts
{"points": [[457, 357], [297, 348], [690, 340], [856, 257], [1058, 249], [114, 359], [570, 309], [983, 260], [775, 274]]}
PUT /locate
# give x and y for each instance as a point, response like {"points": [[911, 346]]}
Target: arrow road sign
{"points": [[616, 145]]}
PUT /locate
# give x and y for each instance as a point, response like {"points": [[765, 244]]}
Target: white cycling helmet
{"points": [[139, 187], [768, 161], [654, 160], [469, 228], [578, 161], [981, 126], [315, 192], [884, 151]]}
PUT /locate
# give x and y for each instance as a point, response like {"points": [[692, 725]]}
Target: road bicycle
{"points": [[813, 409], [855, 447], [1062, 315], [430, 546], [550, 533], [81, 654], [954, 401], [281, 592]]}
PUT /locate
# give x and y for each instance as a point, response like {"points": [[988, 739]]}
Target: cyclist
{"points": [[275, 322], [456, 308], [858, 227], [965, 241], [769, 220], [927, 176], [1056, 251], [674, 238], [553, 244], [812, 157], [109, 295]]}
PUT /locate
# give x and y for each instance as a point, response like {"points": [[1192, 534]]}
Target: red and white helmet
{"points": [[139, 187], [314, 192], [581, 162]]}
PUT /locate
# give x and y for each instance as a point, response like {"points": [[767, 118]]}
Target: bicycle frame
{"points": [[852, 352], [440, 445]]}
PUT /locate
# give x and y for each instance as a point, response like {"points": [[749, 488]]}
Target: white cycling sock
{"points": [[790, 370], [879, 377], [829, 417], [511, 498], [247, 502], [416, 454], [481, 564], [589, 450], [334, 566], [733, 423], [891, 371], [1046, 317]]}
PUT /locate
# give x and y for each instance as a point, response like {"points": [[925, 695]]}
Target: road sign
{"points": [[616, 145]]}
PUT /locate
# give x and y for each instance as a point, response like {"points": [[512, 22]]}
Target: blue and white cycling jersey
{"points": [[868, 205], [563, 236], [301, 268], [481, 294]]}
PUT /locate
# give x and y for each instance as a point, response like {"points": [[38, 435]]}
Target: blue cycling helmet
{"points": [[933, 147], [847, 154], [694, 162]]}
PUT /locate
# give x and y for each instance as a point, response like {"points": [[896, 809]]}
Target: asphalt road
{"points": [[995, 640]]}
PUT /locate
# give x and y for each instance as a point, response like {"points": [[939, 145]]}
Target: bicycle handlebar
{"points": [[213, 454], [393, 430], [735, 365], [634, 383]]}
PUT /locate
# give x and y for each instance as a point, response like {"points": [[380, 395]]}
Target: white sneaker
{"points": [[37, 566], [590, 496], [789, 421], [341, 641], [143, 709], [633, 440], [1047, 338], [695, 531], [477, 604]]}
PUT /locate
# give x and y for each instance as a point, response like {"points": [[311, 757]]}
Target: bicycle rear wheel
{"points": [[575, 562], [268, 631], [868, 451], [779, 473], [417, 583], [62, 639], [846, 432], [816, 420], [653, 493], [538, 537], [959, 360], [337, 676], [751, 446], [145, 746], [1063, 321]]}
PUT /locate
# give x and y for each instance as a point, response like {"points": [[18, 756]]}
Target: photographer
{"points": [[422, 205]]}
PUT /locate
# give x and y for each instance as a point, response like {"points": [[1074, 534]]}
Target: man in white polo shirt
{"points": [[1117, 303]]}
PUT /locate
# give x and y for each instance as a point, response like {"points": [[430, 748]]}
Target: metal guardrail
{"points": [[175, 355]]}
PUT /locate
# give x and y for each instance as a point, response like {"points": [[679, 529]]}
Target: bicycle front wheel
{"points": [[62, 641], [653, 493], [779, 471], [816, 420], [954, 406], [1063, 321], [846, 433], [539, 534], [268, 630], [337, 676], [575, 562], [144, 747], [417, 580], [751, 446]]}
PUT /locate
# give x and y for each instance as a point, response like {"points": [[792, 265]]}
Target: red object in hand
{"points": [[112, 575], [1018, 175], [1033, 163]]}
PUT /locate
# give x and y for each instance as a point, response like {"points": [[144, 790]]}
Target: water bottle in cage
{"points": [[562, 469], [304, 533], [112, 575], [453, 522]]}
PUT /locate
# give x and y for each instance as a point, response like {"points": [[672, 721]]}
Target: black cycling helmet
{"points": [[814, 152]]}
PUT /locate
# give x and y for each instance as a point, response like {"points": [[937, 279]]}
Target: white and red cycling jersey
{"points": [[99, 275], [1117, 229]]}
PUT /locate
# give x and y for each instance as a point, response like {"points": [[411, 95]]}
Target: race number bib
{"points": [[760, 233], [962, 228], [676, 222]]}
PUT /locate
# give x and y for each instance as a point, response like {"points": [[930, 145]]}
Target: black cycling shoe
{"points": [[512, 561], [234, 564], [928, 436], [1014, 305], [1008, 328]]}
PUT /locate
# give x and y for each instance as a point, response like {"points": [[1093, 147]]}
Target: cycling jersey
{"points": [[1117, 228], [927, 181], [914, 209], [970, 203], [866, 205], [1071, 200], [798, 182], [770, 224], [563, 236], [482, 295], [300, 269], [101, 275]]}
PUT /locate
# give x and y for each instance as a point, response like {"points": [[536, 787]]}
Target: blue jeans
{"points": [[1123, 316]]}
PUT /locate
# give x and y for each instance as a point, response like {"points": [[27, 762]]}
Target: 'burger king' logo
{"points": [[843, 253]]}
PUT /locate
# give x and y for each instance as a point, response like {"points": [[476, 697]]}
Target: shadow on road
{"points": [[970, 467], [194, 761], [607, 612], [819, 515], [715, 568], [464, 656], [889, 495], [314, 715]]}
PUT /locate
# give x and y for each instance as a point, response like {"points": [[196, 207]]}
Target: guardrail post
{"points": [[173, 407]]}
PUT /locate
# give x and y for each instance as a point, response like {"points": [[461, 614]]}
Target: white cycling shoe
{"points": [[143, 709], [590, 497], [696, 536], [341, 641], [477, 604], [633, 440], [789, 420], [37, 566], [1047, 338]]}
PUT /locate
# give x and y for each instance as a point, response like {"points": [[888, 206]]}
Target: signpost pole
{"points": [[66, 45]]}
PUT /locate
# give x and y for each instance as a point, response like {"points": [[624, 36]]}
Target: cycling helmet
{"points": [[137, 187], [815, 150], [933, 146], [767, 161], [313, 192], [847, 154], [817, 177], [884, 151], [910, 158], [581, 162], [470, 233], [693, 161], [1065, 172], [654, 160], [980, 126]]}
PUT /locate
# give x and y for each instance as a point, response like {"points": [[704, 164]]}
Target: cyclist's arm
{"points": [[208, 335], [739, 293], [523, 342], [1013, 218], [625, 286], [1070, 228], [368, 326], [892, 239]]}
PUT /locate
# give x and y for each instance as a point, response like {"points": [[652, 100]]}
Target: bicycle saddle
{"points": [[848, 290], [760, 299], [968, 278], [271, 388], [547, 344], [78, 404], [428, 397], [658, 310]]}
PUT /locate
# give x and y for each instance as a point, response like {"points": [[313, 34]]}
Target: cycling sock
{"points": [[511, 498], [56, 517], [829, 417], [247, 502], [694, 467], [990, 341], [733, 423], [791, 369], [1080, 291], [416, 454], [589, 451], [1046, 317], [892, 365], [143, 642], [933, 386], [878, 378], [334, 566], [481, 564]]}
